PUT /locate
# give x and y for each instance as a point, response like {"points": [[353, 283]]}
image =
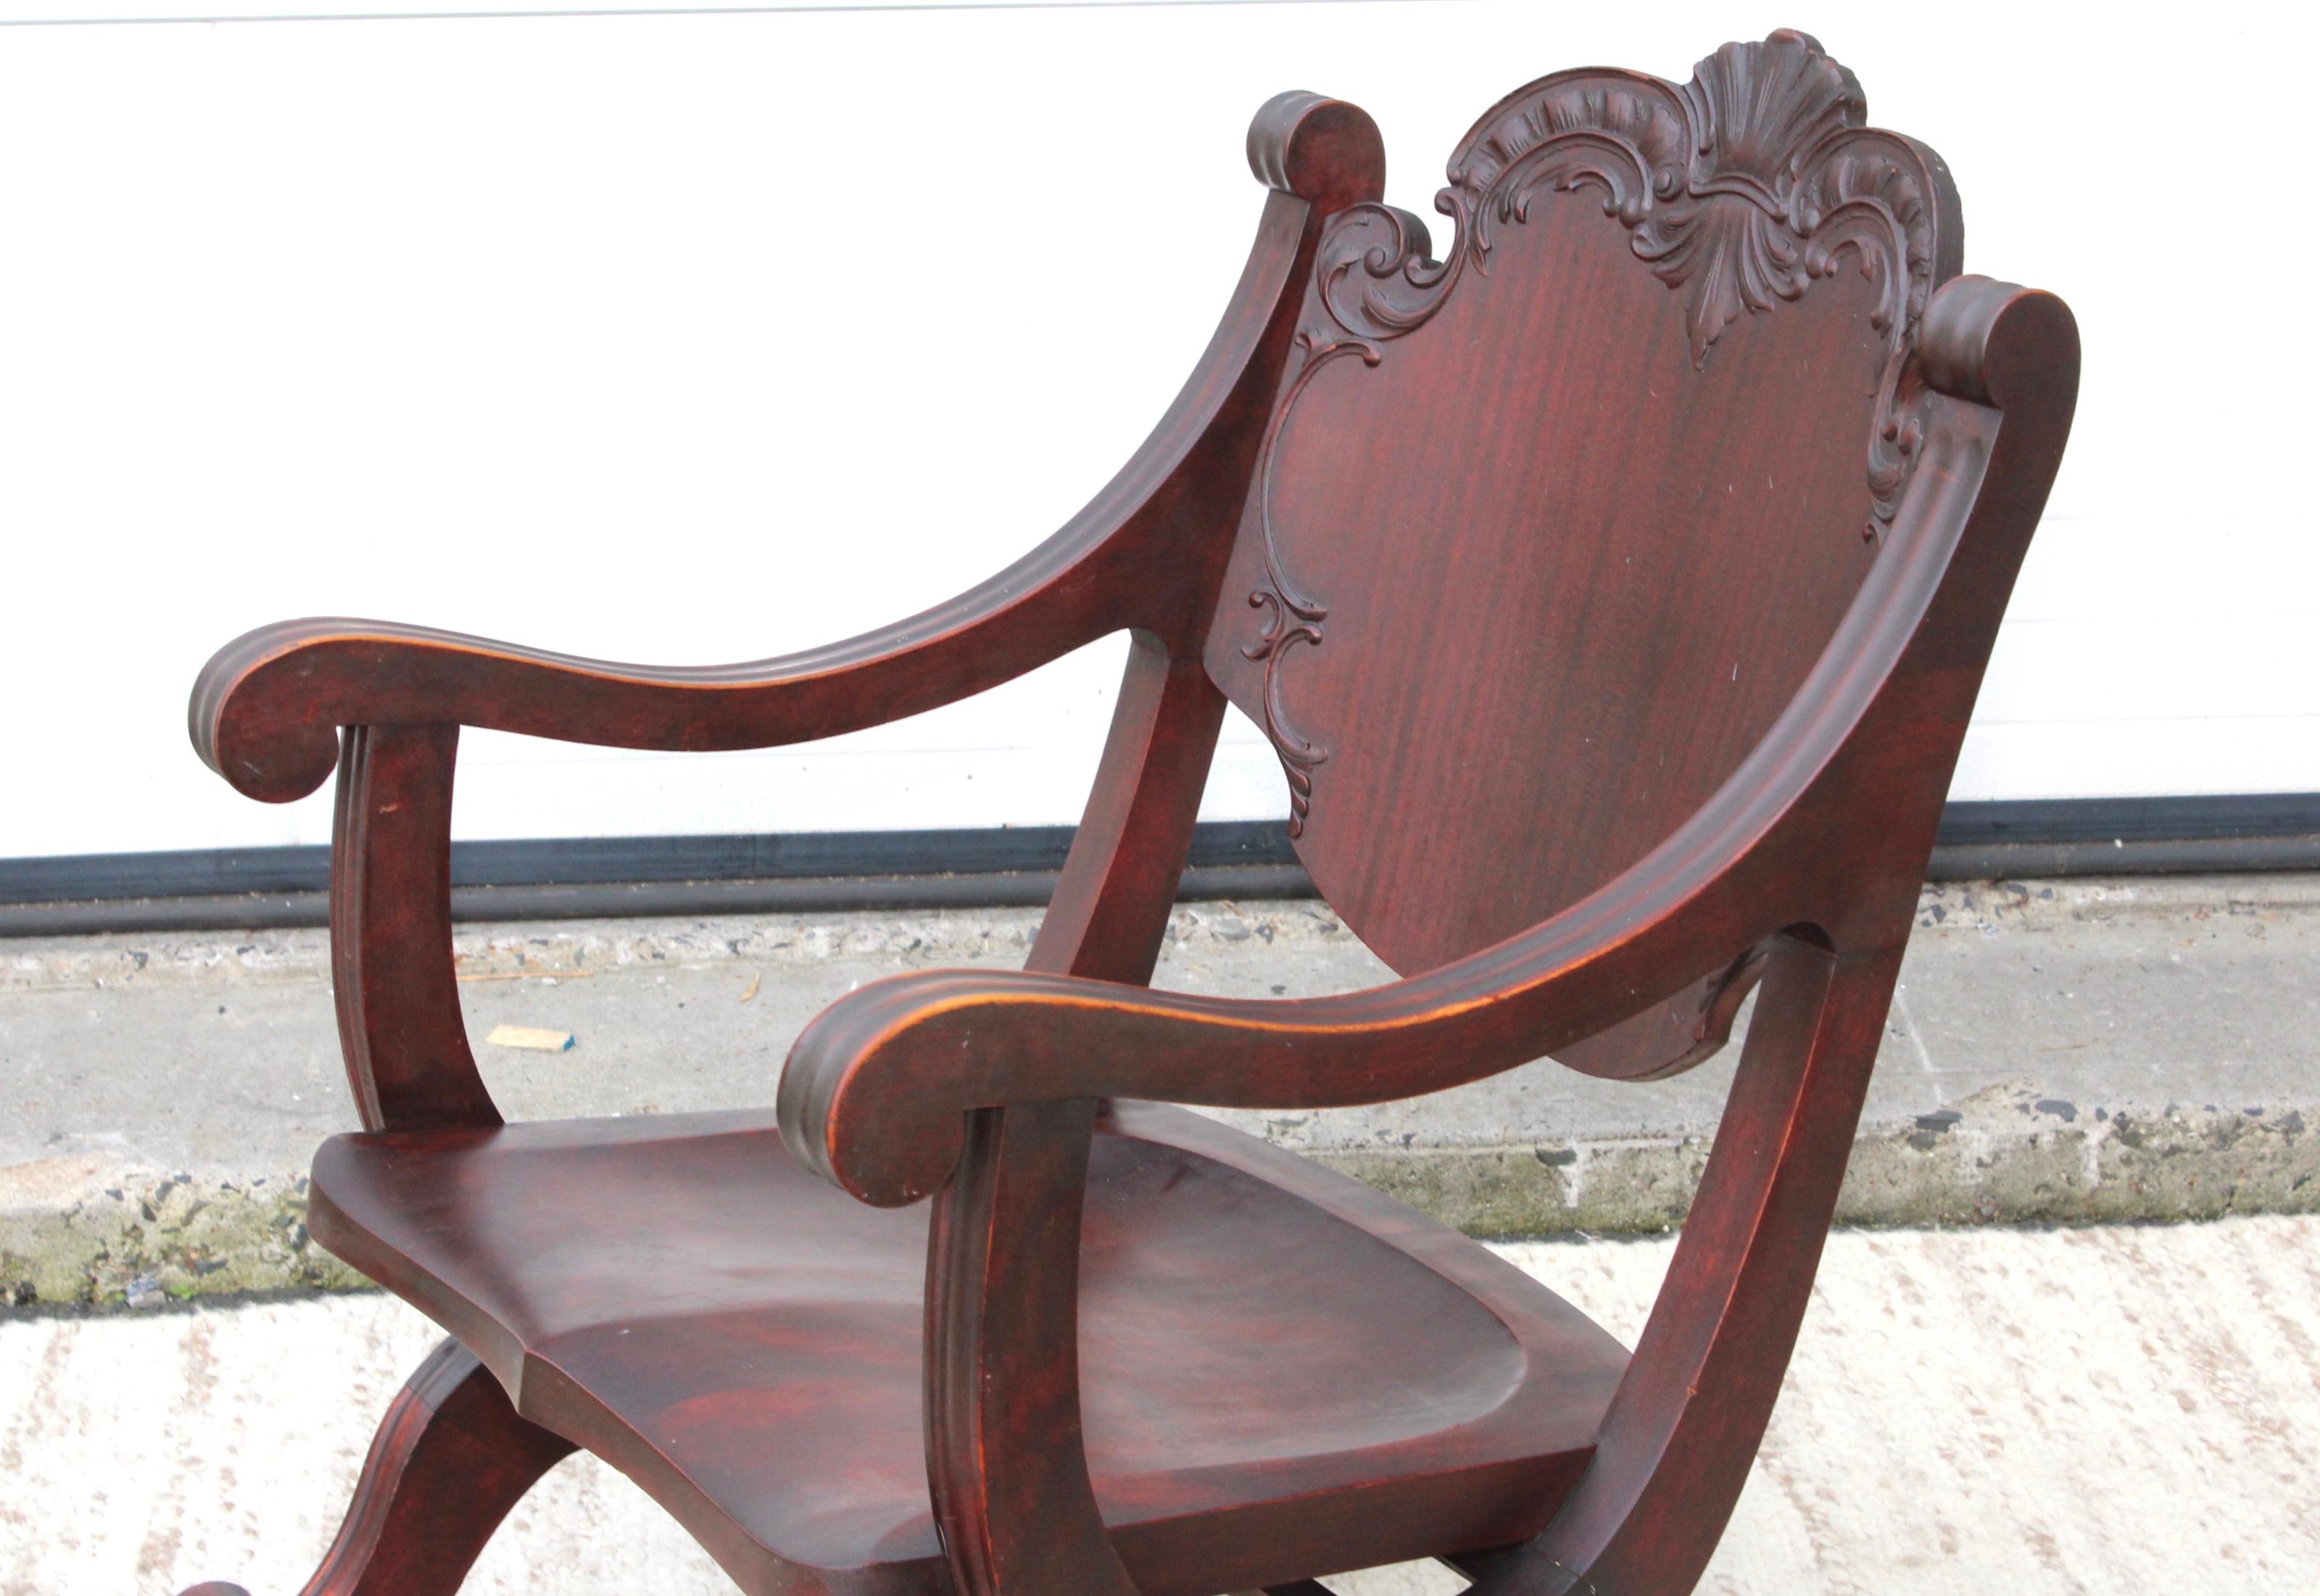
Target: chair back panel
{"points": [[1547, 533]]}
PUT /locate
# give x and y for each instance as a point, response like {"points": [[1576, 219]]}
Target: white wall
{"points": [[691, 337]]}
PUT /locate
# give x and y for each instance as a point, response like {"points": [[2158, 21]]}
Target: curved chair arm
{"points": [[875, 1093], [267, 708], [1145, 554]]}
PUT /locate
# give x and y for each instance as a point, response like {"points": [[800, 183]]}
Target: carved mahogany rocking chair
{"points": [[1614, 588]]}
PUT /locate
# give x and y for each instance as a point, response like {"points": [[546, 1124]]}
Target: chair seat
{"points": [[1263, 1344]]}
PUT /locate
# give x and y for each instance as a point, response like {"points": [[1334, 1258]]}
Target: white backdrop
{"points": [[689, 337]]}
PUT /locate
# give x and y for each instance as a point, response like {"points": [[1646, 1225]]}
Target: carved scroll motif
{"points": [[1739, 189]]}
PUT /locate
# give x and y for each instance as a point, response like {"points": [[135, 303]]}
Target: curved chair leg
{"points": [[1676, 1445], [450, 1459]]}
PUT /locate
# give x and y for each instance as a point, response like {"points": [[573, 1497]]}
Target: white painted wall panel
{"points": [[698, 337]]}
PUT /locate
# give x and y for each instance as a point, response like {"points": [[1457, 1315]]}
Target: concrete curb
{"points": [[2001, 1161], [101, 1235], [117, 1238], [2065, 1054]]}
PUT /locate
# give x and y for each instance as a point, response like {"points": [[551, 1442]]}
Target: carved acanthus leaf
{"points": [[1739, 189]]}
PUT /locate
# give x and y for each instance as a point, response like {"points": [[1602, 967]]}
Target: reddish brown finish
{"points": [[1142, 554], [1677, 1442], [1004, 1249], [450, 1459], [1002, 1317], [399, 1020], [744, 1340], [1616, 591], [875, 1086], [1654, 581]]}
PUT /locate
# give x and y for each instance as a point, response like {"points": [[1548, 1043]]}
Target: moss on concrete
{"points": [[148, 1239], [1489, 1191], [2002, 1158], [2005, 1157]]}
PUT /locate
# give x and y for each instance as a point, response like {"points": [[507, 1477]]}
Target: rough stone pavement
{"points": [[2121, 1410]]}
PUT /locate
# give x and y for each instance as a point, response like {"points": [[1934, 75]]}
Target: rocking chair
{"points": [[1614, 588]]}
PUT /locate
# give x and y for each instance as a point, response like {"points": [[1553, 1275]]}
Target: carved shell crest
{"points": [[1739, 190]]}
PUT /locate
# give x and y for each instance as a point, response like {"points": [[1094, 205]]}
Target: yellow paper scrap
{"points": [[530, 1037]]}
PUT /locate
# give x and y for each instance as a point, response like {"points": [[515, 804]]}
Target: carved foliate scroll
{"points": [[1739, 190]]}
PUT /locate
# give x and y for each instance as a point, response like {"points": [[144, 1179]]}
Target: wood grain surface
{"points": [[1614, 591]]}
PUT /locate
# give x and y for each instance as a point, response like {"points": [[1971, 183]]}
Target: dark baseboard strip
{"points": [[265, 911], [2200, 817], [562, 861], [1992, 861], [604, 878]]}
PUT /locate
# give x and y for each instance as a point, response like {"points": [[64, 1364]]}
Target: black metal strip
{"points": [[2213, 816], [260, 911], [595, 877], [548, 861]]}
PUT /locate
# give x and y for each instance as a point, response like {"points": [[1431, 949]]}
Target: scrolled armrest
{"points": [[876, 1092], [267, 708]]}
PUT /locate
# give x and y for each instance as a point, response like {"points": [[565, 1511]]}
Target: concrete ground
{"points": [[2060, 1052], [2122, 1410], [2023, 1397]]}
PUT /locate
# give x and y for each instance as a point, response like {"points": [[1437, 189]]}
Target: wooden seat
{"points": [[1614, 588], [1259, 1339]]}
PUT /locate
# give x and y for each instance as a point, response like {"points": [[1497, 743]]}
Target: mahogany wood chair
{"points": [[1614, 588]]}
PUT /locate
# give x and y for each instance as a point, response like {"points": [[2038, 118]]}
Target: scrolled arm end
{"points": [[1998, 343], [875, 1094], [249, 724], [1326, 152], [266, 710]]}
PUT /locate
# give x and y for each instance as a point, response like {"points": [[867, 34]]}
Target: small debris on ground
{"points": [[547, 978], [530, 1037], [750, 991]]}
